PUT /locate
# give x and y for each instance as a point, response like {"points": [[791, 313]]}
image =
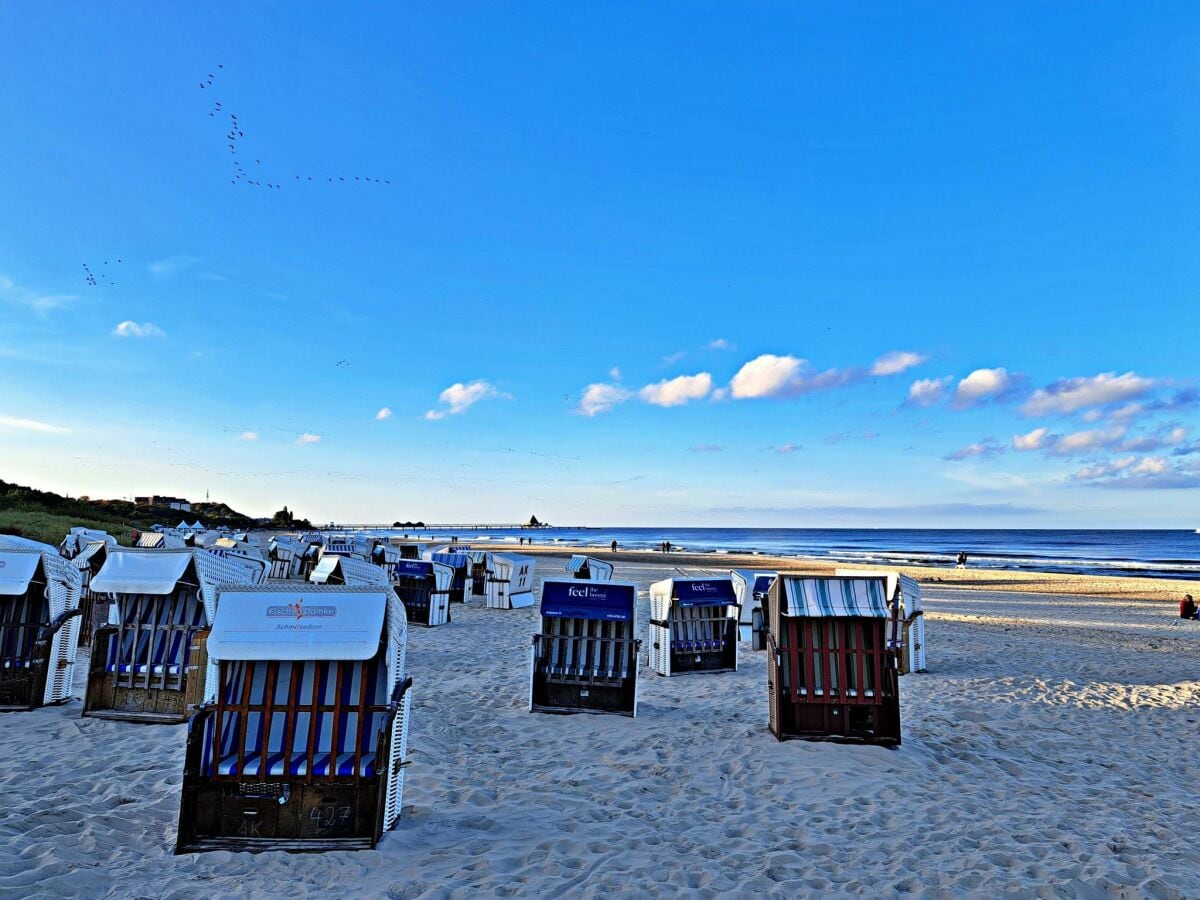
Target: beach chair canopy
{"points": [[423, 568], [157, 572], [299, 625], [454, 560], [834, 597], [703, 592], [332, 569], [576, 599], [84, 557], [910, 596], [17, 568]]}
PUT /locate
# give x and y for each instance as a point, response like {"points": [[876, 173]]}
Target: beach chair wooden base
{"points": [[151, 698], [551, 695], [23, 689], [23, 676], [291, 815]]}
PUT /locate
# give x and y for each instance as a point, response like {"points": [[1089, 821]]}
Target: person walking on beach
{"points": [[614, 546], [962, 559], [668, 546]]}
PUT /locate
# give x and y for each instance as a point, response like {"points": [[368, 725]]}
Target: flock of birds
{"points": [[91, 278], [241, 175]]}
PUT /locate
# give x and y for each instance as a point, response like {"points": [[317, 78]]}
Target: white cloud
{"points": [[1088, 441], [928, 391], [981, 385], [677, 391], [615, 373], [672, 358], [248, 436], [767, 376], [33, 300], [719, 344], [1068, 395], [172, 265], [307, 438], [384, 413], [784, 449], [17, 424], [460, 397], [897, 361], [129, 328], [1147, 473], [1034, 440], [1166, 436], [598, 398]]}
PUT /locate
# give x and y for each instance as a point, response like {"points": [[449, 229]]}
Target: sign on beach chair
{"points": [[302, 741], [39, 623], [424, 589], [693, 626], [831, 672], [753, 590], [590, 568], [149, 663], [460, 564], [585, 657], [509, 582], [906, 630]]}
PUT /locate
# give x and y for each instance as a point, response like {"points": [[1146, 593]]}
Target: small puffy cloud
{"points": [[383, 414], [1166, 436], [615, 373], [1034, 440], [1068, 395], [928, 391], [705, 448], [719, 344], [672, 358], [248, 436], [982, 385], [1088, 441], [988, 447], [458, 398], [600, 397], [767, 376], [172, 265], [897, 361], [307, 438], [131, 329], [16, 424], [720, 394], [678, 391], [784, 449]]}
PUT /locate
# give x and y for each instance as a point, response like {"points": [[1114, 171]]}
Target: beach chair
{"points": [[831, 674], [478, 574], [906, 617], [39, 623], [587, 567], [423, 586], [149, 663], [158, 540], [285, 555], [753, 590], [460, 564], [693, 626], [334, 569], [509, 582], [302, 740], [585, 657]]}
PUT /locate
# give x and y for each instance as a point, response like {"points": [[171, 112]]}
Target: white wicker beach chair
{"points": [[580, 566], [693, 626], [510, 581]]}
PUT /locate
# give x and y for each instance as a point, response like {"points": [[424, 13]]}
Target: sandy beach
{"points": [[1050, 750]]}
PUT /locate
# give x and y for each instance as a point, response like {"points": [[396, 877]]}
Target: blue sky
{"points": [[774, 264]]}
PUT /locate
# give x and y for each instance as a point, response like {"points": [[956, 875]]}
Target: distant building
{"points": [[169, 502]]}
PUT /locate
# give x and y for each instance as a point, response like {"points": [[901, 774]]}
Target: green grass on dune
{"points": [[51, 529]]}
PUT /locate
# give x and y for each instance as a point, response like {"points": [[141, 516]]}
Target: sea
{"points": [[1157, 553]]}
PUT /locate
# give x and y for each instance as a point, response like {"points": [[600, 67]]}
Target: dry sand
{"points": [[1051, 749]]}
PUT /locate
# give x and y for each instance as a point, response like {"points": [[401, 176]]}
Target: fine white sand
{"points": [[1053, 749]]}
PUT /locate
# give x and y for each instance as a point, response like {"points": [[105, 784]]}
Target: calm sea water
{"points": [[1164, 554]]}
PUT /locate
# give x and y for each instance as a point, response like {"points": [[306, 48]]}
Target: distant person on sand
{"points": [[1187, 607], [614, 546], [962, 559], [668, 546]]}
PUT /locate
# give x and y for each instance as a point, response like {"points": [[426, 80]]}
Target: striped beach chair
{"points": [[149, 664], [585, 657], [423, 586], [693, 626], [753, 590], [590, 568], [302, 742], [39, 623], [831, 670], [460, 564]]}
